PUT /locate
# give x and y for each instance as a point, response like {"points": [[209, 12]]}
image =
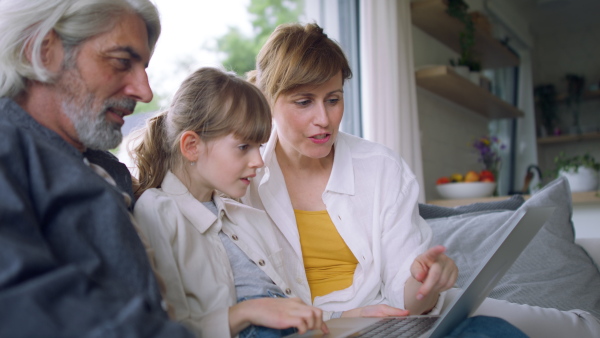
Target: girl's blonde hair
{"points": [[297, 55], [210, 102]]}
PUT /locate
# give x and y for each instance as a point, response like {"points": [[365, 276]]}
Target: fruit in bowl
{"points": [[471, 176], [466, 189], [442, 180], [456, 177], [471, 185], [487, 176]]}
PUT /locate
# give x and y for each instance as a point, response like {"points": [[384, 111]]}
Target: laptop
{"points": [[508, 248]]}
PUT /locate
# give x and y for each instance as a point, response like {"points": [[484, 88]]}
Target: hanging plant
{"points": [[459, 9]]}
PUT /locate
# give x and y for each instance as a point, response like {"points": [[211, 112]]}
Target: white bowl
{"points": [[466, 189]]}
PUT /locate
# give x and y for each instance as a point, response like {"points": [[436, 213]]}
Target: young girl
{"points": [[219, 259]]}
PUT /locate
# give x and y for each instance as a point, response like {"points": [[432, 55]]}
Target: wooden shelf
{"points": [[431, 17], [577, 198], [443, 81], [586, 197], [587, 95], [568, 138], [451, 203]]}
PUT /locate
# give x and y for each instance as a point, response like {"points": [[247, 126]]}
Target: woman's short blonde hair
{"points": [[297, 55]]}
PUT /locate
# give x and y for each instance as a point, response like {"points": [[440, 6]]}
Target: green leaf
{"points": [[239, 51]]}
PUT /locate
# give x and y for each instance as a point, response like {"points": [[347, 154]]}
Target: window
{"points": [[230, 33]]}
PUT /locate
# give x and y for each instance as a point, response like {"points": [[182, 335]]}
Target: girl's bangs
{"points": [[250, 115]]}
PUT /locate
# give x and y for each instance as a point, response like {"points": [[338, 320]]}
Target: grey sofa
{"points": [[554, 270]]}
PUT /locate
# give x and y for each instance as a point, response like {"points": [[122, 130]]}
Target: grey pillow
{"points": [[434, 211], [552, 271]]}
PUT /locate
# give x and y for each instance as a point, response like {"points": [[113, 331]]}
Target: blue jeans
{"points": [[485, 327], [254, 331]]}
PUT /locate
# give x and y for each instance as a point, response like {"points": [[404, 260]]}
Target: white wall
{"points": [[447, 129], [586, 220], [556, 49], [569, 49]]}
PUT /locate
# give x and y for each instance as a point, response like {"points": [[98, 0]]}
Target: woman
{"points": [[368, 244], [346, 208], [219, 259]]}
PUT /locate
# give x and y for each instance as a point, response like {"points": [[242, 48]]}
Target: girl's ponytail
{"points": [[151, 156]]}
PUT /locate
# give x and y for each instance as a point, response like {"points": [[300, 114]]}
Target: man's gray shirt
{"points": [[71, 262]]}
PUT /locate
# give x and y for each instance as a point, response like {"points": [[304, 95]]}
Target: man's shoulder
{"points": [[20, 132], [15, 145], [12, 116], [9, 129], [9, 133]]}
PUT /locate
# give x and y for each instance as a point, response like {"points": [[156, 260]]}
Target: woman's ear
{"points": [[189, 144]]}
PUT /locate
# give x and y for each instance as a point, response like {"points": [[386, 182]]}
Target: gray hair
{"points": [[27, 22]]}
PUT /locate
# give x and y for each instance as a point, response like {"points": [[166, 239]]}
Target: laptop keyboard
{"points": [[398, 327]]}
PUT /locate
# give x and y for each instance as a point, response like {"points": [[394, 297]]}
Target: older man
{"points": [[71, 262]]}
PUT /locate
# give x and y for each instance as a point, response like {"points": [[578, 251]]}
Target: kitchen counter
{"points": [[585, 197], [586, 210]]}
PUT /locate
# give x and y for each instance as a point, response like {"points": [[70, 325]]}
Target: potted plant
{"points": [[458, 9], [580, 170]]}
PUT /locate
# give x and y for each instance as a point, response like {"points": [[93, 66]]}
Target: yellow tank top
{"points": [[328, 261]]}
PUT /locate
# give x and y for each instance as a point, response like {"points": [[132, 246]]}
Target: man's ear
{"points": [[51, 51], [189, 144]]}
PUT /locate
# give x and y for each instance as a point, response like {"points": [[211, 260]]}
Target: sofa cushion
{"points": [[552, 271], [428, 211]]}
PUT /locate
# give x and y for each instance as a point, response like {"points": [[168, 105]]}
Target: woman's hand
{"points": [[435, 270], [276, 313], [432, 272], [380, 310]]}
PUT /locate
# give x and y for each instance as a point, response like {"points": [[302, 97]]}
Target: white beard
{"points": [[93, 129]]}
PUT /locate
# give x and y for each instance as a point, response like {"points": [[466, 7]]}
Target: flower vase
{"points": [[496, 171], [488, 148]]}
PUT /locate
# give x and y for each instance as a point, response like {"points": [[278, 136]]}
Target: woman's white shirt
{"points": [[190, 256], [372, 198]]}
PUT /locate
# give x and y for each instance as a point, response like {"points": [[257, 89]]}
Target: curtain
{"points": [[389, 104], [526, 147]]}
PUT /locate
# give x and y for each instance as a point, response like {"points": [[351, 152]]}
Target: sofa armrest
{"points": [[592, 247]]}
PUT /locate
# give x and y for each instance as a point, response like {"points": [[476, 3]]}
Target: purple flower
{"points": [[488, 149]]}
